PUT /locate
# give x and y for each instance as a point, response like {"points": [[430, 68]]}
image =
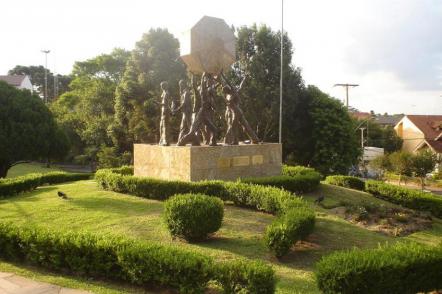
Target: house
{"points": [[421, 132], [18, 81], [360, 115], [387, 120]]}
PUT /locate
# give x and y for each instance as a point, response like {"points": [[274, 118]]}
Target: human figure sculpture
{"points": [[165, 115], [234, 114], [202, 117], [186, 109]]}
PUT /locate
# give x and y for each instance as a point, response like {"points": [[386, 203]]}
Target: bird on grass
{"points": [[62, 195], [320, 199]]}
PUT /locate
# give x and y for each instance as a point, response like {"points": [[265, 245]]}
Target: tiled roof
{"points": [[430, 125], [436, 145], [13, 80], [388, 119]]}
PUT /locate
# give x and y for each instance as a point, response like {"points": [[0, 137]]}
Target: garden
{"points": [[117, 233]]}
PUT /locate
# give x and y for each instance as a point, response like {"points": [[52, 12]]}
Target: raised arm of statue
{"points": [[242, 83]]}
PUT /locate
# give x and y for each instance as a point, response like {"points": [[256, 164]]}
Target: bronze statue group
{"points": [[197, 118]]}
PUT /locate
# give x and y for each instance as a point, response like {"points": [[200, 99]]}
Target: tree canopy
{"points": [[27, 129]]}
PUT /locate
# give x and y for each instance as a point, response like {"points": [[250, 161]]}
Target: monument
{"points": [[208, 50]]}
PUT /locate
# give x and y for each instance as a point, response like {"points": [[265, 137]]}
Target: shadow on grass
{"points": [[122, 206]]}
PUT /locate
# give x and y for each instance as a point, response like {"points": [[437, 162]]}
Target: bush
{"points": [[296, 170], [346, 181], [193, 216], [296, 184], [245, 276], [401, 268], [120, 258], [406, 197], [13, 186], [264, 198], [293, 226]]}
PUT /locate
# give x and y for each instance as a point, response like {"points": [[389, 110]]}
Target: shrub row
{"points": [[13, 186], [296, 179], [414, 199], [346, 181], [401, 268], [138, 262], [292, 211]]}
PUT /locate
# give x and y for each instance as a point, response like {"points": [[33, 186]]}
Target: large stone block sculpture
{"points": [[209, 46]]}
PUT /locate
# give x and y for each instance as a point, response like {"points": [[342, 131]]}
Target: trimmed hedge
{"points": [[414, 199], [193, 216], [13, 186], [264, 198], [296, 179], [119, 258], [346, 181], [401, 268]]}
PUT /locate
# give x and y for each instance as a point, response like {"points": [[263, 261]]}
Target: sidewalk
{"points": [[13, 284], [434, 190]]}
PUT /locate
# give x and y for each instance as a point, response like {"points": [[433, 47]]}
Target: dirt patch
{"points": [[390, 221]]}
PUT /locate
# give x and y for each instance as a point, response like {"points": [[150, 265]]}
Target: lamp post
{"points": [[280, 76], [46, 52]]}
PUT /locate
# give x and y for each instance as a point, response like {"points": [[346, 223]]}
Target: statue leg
{"points": [[211, 130], [163, 132], [247, 128], [191, 136]]}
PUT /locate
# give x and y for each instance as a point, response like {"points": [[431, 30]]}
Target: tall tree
{"points": [[27, 129], [87, 110], [154, 59], [37, 77], [382, 137], [334, 145]]}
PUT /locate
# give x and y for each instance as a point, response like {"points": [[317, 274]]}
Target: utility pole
{"points": [[46, 52], [280, 76], [346, 86], [362, 138]]}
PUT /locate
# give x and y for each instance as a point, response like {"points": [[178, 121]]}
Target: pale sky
{"points": [[392, 48]]}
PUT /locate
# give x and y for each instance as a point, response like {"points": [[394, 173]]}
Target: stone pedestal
{"points": [[189, 163]]}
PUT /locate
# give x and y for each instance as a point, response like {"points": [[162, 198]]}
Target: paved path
{"points": [[434, 190], [13, 284]]}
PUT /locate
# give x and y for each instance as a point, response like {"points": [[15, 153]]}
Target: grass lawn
{"points": [[29, 168], [90, 208]]}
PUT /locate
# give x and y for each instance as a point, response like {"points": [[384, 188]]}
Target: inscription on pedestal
{"points": [[241, 161], [257, 159]]}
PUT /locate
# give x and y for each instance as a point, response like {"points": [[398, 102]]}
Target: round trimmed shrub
{"points": [[193, 217]]}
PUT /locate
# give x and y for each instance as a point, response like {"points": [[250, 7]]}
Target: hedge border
{"points": [[14, 186], [346, 181], [295, 218], [400, 268], [131, 260], [409, 198]]}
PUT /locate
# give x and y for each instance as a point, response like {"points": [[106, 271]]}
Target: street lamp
{"points": [[46, 52]]}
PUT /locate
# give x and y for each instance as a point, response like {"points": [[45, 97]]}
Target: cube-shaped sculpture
{"points": [[209, 46]]}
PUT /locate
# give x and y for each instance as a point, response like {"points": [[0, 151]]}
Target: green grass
{"points": [[90, 208], [29, 168]]}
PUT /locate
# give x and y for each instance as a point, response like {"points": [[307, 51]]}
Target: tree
{"points": [[383, 137], [27, 128], [382, 164], [87, 110], [334, 146], [154, 59], [401, 163], [37, 77], [423, 163]]}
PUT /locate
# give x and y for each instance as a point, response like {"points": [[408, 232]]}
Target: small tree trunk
{"points": [[48, 162], [400, 178], [422, 183], [4, 171]]}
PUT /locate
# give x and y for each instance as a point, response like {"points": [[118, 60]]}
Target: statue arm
{"points": [[242, 83]]}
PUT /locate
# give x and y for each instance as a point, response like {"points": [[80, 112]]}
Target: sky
{"points": [[391, 48]]}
